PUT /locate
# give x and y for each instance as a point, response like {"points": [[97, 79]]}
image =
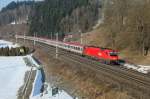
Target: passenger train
{"points": [[104, 55]]}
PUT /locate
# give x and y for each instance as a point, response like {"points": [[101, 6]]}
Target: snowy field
{"points": [[7, 44], [12, 73]]}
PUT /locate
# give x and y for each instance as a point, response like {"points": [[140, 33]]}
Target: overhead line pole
{"points": [[56, 45], [16, 38], [34, 40], [24, 37], [51, 36], [81, 37]]}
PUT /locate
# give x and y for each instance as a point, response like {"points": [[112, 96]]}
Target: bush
{"points": [[18, 51]]}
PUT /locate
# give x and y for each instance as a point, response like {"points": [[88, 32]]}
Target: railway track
{"points": [[114, 67], [130, 78]]}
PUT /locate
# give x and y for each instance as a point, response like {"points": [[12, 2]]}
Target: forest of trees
{"points": [[63, 16], [18, 51], [15, 11], [128, 24], [13, 5]]}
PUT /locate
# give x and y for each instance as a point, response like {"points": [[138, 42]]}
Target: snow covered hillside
{"points": [[12, 73]]}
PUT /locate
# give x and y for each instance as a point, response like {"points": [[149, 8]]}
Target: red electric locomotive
{"points": [[106, 55]]}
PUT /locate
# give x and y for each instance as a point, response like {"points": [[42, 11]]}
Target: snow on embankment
{"points": [[140, 68], [12, 73], [47, 94], [38, 85], [39, 79], [7, 44]]}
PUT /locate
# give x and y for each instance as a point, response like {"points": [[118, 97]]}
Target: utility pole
{"points": [[16, 38], [81, 37], [36, 36], [34, 40], [56, 45], [51, 36], [24, 38], [85, 41]]}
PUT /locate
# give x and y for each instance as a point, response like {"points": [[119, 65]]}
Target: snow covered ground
{"points": [[7, 44], [47, 94], [140, 68], [38, 84], [12, 73]]}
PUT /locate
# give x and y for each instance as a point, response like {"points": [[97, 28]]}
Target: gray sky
{"points": [[3, 3]]}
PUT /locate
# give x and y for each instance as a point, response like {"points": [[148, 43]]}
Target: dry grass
{"points": [[78, 81]]}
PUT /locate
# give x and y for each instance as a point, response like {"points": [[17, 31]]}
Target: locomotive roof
{"points": [[102, 48]]}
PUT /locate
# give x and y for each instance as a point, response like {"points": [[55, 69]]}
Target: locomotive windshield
{"points": [[113, 53]]}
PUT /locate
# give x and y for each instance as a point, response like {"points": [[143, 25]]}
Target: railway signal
{"points": [[55, 91]]}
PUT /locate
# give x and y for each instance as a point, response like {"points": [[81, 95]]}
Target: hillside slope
{"points": [[15, 12], [14, 18], [65, 16]]}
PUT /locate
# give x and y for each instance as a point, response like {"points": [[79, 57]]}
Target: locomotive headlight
{"points": [[100, 54], [114, 58]]}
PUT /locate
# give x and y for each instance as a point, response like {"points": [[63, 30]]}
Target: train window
{"points": [[113, 53]]}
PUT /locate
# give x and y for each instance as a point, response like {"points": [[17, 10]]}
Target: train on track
{"points": [[104, 55]]}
